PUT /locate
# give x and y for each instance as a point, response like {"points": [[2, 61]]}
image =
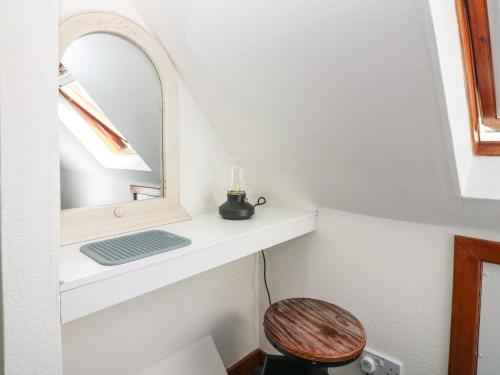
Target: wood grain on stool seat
{"points": [[314, 330]]}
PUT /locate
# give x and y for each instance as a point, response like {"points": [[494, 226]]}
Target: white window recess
{"points": [[478, 176], [87, 287]]}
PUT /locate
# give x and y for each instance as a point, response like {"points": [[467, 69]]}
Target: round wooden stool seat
{"points": [[314, 330]]}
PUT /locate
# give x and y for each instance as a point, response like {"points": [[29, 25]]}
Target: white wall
{"points": [[395, 276], [129, 337], [203, 158], [29, 192], [330, 106]]}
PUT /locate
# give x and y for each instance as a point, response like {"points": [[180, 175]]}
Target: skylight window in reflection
{"points": [[94, 130]]}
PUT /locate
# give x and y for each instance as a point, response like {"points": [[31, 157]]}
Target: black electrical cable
{"points": [[265, 277]]}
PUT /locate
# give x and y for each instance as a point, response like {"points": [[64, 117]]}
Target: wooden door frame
{"points": [[470, 254]]}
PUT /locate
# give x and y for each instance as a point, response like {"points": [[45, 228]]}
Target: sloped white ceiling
{"points": [[332, 103]]}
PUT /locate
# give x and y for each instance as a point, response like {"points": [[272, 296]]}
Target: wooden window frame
{"points": [[470, 254], [113, 141], [478, 64]]}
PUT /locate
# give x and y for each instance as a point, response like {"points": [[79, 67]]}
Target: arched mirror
{"points": [[110, 128], [118, 128]]}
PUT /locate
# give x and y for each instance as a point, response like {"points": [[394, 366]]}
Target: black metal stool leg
{"points": [[283, 365]]}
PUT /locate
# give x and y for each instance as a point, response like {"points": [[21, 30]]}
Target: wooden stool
{"points": [[312, 335]]}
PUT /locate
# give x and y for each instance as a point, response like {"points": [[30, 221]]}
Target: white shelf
{"points": [[87, 287]]}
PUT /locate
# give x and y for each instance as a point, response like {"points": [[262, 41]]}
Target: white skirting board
{"points": [[201, 357]]}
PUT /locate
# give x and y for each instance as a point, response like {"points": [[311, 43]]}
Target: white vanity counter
{"points": [[87, 286]]}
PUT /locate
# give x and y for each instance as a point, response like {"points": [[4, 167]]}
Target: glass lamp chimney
{"points": [[236, 179]]}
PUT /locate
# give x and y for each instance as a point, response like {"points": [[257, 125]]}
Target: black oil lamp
{"points": [[237, 206]]}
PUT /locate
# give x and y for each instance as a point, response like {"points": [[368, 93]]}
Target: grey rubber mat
{"points": [[132, 247]]}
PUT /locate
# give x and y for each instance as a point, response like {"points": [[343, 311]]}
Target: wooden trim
{"points": [[478, 67], [248, 363], [470, 78], [477, 11], [470, 254], [112, 139], [488, 148]]}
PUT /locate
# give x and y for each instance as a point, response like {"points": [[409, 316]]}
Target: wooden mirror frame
{"points": [[470, 254], [80, 224]]}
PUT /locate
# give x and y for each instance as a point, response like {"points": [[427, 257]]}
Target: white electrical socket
{"points": [[383, 365]]}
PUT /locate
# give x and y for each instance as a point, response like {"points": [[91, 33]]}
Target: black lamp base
{"points": [[236, 207]]}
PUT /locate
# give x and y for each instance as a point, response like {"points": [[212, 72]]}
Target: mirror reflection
{"points": [[110, 123]]}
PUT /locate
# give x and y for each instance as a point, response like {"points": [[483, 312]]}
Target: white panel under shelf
{"points": [[87, 287]]}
